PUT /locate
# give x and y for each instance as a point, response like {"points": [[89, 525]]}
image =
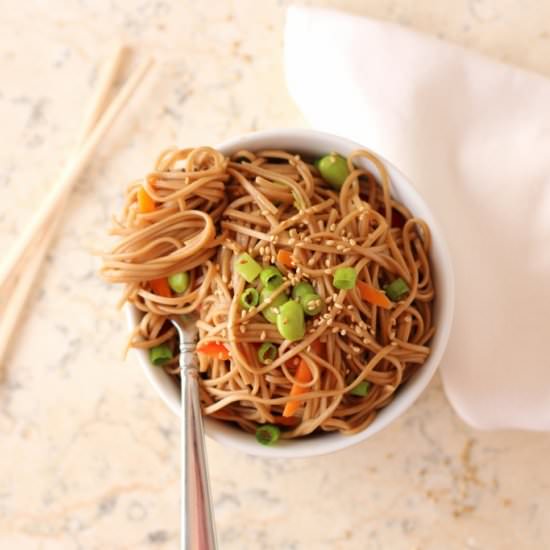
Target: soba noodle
{"points": [[209, 209]]}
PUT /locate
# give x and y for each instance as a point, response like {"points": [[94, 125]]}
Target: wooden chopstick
{"points": [[16, 256], [12, 305], [104, 86]]}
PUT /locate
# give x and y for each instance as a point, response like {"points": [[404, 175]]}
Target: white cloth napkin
{"points": [[474, 137]]}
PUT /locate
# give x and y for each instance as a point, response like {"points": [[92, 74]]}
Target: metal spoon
{"points": [[197, 518]]}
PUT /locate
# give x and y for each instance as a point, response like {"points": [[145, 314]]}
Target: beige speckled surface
{"points": [[89, 454]]}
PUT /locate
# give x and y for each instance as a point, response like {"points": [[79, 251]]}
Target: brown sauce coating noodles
{"points": [[209, 209]]}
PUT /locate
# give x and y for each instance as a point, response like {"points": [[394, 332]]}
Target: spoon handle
{"points": [[197, 520]]}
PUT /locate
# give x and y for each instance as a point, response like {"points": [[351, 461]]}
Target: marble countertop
{"points": [[89, 454]]}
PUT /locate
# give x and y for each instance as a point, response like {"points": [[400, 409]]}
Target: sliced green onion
{"points": [[271, 278], [316, 163], [160, 354], [362, 389], [247, 267], [270, 313], [179, 282], [312, 304], [290, 321], [334, 170], [344, 278], [301, 289], [267, 434], [249, 298], [397, 289], [267, 353]]}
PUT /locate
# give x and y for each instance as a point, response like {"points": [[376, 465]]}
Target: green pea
{"points": [[179, 282], [270, 313], [334, 170], [302, 289], [290, 321]]}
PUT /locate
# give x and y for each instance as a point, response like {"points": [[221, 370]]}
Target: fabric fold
{"points": [[473, 135]]}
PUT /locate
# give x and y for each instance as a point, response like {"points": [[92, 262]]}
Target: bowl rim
{"points": [[330, 442]]}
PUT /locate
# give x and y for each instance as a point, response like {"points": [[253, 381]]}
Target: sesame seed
{"points": [[326, 316], [346, 250], [335, 330], [243, 313], [366, 341], [291, 241], [357, 330], [311, 261], [263, 335], [309, 348], [338, 306], [328, 299], [329, 322], [272, 259], [348, 356], [332, 227], [350, 307], [327, 262], [327, 271], [353, 242], [242, 328], [343, 332], [330, 243], [265, 212], [339, 247]]}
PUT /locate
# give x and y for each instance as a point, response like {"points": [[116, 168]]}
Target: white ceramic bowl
{"points": [[315, 144]]}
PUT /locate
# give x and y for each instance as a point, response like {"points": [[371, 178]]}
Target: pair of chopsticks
{"points": [[20, 268]]}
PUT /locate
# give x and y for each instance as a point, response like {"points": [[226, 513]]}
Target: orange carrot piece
{"points": [[317, 347], [373, 295], [145, 202], [285, 258], [285, 421], [161, 287], [303, 374], [216, 350]]}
